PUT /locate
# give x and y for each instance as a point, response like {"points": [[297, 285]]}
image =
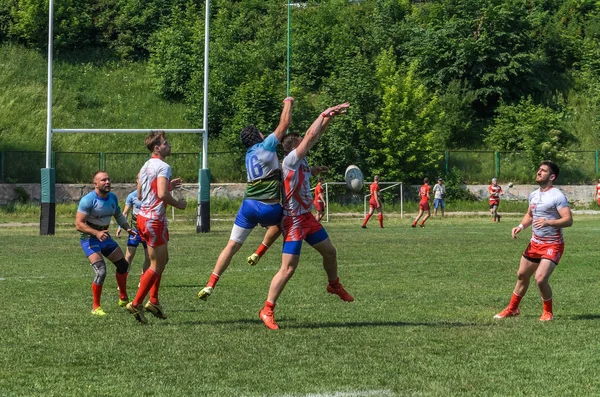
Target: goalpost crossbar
{"points": [[126, 130]]}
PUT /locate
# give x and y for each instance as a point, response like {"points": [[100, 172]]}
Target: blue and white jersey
{"points": [[546, 205], [262, 168], [134, 203], [99, 210]]}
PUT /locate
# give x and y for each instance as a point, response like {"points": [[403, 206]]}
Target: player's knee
{"points": [[122, 266], [99, 272]]}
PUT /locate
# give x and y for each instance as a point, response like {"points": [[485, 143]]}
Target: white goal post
{"points": [[365, 197]]}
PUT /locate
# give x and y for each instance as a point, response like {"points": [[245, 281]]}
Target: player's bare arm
{"points": [[318, 127], [174, 183], [566, 220], [82, 226], [139, 190], [165, 195], [525, 223], [125, 212], [286, 118], [318, 169]]}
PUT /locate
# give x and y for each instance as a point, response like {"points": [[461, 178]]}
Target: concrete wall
{"points": [[73, 193]]}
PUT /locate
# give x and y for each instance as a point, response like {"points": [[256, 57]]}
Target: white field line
{"points": [[365, 393]]}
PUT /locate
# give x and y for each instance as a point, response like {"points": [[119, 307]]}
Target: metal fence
{"points": [[78, 167]]}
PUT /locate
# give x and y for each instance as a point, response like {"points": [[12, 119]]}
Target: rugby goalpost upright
{"points": [[392, 185], [48, 177]]}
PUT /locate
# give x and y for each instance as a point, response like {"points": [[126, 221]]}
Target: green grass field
{"points": [[421, 324]]}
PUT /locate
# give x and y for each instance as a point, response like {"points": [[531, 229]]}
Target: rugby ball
{"points": [[510, 184], [354, 178]]}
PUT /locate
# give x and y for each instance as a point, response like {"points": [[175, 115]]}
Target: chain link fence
{"points": [[78, 167]]}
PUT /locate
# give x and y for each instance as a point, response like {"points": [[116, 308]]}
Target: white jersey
{"points": [[546, 205], [152, 207], [298, 199]]}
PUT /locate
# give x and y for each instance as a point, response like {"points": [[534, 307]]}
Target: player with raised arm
{"points": [[262, 201], [92, 220], [495, 191], [374, 203], [154, 192], [298, 222], [424, 193], [548, 213], [319, 202]]}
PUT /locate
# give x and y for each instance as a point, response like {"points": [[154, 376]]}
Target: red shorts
{"points": [[296, 228], [319, 206], [494, 203], [373, 204], [424, 205], [598, 200], [154, 232], [535, 252]]}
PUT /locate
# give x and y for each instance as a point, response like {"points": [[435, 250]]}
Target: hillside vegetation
{"points": [[425, 77]]}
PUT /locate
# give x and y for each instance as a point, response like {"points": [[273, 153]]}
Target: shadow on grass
{"points": [[353, 324], [586, 317]]}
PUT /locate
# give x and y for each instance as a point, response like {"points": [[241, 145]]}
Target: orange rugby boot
{"points": [[268, 319], [508, 313], [547, 316], [341, 292]]}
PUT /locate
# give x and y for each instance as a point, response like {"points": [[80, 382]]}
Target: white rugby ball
{"points": [[354, 178], [510, 184]]}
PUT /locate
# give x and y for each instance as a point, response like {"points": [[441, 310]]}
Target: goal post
{"points": [[392, 185], [48, 178]]}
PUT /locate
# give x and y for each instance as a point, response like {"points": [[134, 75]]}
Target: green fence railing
{"points": [[78, 167], [475, 166]]}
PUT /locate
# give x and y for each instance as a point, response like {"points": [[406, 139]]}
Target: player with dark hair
{"points": [[262, 201], [548, 214], [319, 201], [154, 192], [298, 222], [93, 219], [374, 203], [424, 193]]}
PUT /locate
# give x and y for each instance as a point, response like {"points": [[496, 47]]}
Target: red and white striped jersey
{"points": [[495, 192], [546, 205], [297, 198], [152, 207]]}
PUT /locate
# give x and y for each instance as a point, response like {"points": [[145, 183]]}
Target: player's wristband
{"points": [[521, 226]]}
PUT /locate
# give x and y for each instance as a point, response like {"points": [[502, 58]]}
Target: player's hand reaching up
{"points": [[335, 110]]}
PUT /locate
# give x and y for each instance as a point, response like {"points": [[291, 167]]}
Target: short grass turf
{"points": [[421, 324]]}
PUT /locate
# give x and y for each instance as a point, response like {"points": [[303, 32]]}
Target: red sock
{"points": [[262, 248], [122, 283], [154, 290], [366, 219], [514, 301], [212, 281], [415, 223], [547, 305], [380, 217], [269, 305], [146, 282], [96, 292], [335, 283]]}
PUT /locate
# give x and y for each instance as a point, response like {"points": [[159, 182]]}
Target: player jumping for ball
{"points": [[548, 213], [262, 201], [299, 224]]}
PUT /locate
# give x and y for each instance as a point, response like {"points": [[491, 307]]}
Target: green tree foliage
{"points": [[530, 128]]}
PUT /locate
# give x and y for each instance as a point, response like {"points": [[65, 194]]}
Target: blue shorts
{"points": [[301, 228], [253, 212], [93, 245], [438, 203], [134, 241]]}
